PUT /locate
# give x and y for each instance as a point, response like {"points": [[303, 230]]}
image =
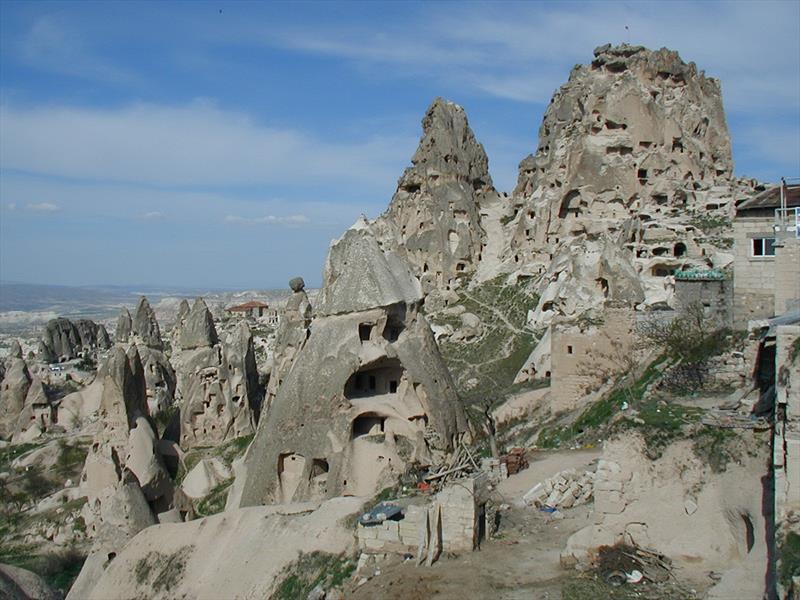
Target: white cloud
{"points": [[195, 144], [53, 45], [44, 207], [153, 215], [269, 219], [11, 206], [522, 51]]}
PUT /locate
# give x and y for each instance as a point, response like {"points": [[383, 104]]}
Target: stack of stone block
{"points": [[564, 490], [452, 520]]}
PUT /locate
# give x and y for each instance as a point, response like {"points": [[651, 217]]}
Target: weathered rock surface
{"points": [[21, 584], [367, 394], [633, 149], [241, 564], [64, 340], [126, 443], [13, 391], [145, 325], [37, 414], [198, 329], [204, 477], [433, 220], [291, 335], [160, 379], [217, 383], [124, 326]]}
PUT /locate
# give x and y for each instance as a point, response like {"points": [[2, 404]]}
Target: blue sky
{"points": [[225, 144]]}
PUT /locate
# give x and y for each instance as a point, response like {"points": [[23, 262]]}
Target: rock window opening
{"points": [[570, 350], [380, 379], [460, 267], [642, 175], [365, 331], [679, 250], [603, 286], [319, 467], [368, 424]]}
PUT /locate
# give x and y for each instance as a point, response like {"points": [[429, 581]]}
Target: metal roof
{"points": [[771, 198], [248, 306]]}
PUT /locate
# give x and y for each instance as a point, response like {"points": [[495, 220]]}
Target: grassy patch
{"points": [[215, 501], [789, 558], [9, 453], [311, 570], [714, 445], [497, 354], [597, 416], [162, 571]]}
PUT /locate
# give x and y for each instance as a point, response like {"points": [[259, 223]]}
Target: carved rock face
{"points": [[631, 148], [433, 220], [367, 394]]}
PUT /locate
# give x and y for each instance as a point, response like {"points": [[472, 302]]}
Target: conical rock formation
{"points": [[367, 394]]}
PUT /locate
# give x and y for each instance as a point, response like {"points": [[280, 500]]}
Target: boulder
{"points": [[204, 477], [20, 584]]}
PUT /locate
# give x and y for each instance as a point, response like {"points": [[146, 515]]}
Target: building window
{"points": [[569, 349], [763, 246]]}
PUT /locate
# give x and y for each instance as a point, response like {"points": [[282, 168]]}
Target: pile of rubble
{"points": [[564, 490]]}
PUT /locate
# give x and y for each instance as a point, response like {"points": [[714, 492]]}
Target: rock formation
{"points": [[218, 384], [291, 335], [180, 319], [15, 350], [124, 326], [13, 392], [64, 340], [145, 325], [124, 473], [632, 149], [37, 414], [433, 219], [367, 394]]}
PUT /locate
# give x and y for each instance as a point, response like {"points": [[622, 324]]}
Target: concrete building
{"points": [[767, 255]]}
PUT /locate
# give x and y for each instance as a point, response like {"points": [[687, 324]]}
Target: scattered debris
{"points": [[564, 490], [515, 461]]}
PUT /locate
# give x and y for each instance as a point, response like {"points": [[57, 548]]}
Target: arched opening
{"points": [[679, 249], [368, 424], [378, 379]]}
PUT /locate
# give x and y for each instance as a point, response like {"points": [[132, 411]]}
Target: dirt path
{"points": [[521, 562]]}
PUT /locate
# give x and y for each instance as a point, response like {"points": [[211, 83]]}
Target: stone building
{"points": [[253, 309], [767, 261], [585, 356], [710, 288]]}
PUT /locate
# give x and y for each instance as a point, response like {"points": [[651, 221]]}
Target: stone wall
{"points": [[716, 296], [786, 460], [787, 276], [582, 359], [456, 517], [753, 276]]}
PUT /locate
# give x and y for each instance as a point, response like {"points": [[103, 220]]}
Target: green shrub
{"points": [[789, 558], [311, 570]]}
